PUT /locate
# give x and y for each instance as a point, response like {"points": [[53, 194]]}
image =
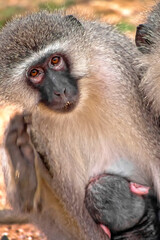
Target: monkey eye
{"points": [[55, 60], [34, 72], [57, 63], [36, 75]]}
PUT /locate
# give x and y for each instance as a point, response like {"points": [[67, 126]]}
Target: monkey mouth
{"points": [[63, 107], [61, 104], [69, 106]]}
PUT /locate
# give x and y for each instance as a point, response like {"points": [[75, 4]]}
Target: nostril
{"points": [[57, 93], [61, 93]]}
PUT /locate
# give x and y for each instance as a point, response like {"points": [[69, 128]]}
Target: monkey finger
{"points": [[22, 139], [106, 230], [27, 152], [139, 189], [15, 156], [17, 124], [27, 118], [11, 139]]}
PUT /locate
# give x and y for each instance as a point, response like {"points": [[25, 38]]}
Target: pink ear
{"points": [[139, 189], [106, 230]]}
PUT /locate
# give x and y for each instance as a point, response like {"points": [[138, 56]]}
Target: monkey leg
{"points": [[122, 208], [21, 162]]}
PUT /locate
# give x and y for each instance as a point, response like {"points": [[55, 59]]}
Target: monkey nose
{"points": [[61, 94]]}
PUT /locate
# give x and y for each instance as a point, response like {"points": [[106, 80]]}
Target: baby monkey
{"points": [[123, 209]]}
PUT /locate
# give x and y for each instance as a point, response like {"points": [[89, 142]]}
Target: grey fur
{"points": [[109, 123], [150, 83]]}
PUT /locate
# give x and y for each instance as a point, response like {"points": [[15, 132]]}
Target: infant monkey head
{"points": [[121, 211]]}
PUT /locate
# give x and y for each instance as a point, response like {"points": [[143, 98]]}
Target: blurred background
{"points": [[124, 14]]}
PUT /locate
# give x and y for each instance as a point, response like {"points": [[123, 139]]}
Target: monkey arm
{"points": [[10, 217], [20, 173], [28, 184]]}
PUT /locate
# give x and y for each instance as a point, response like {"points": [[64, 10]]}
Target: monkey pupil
{"points": [[34, 72], [55, 60]]}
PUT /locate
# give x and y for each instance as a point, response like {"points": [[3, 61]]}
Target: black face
{"points": [[58, 89], [118, 210]]}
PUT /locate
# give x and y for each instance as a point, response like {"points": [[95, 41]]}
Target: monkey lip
{"points": [[67, 107], [61, 107]]}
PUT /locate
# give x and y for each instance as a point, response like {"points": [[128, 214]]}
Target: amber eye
{"points": [[55, 60], [36, 75], [34, 72], [57, 63]]}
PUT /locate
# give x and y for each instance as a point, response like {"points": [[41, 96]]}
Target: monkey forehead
{"points": [[78, 70], [24, 36]]}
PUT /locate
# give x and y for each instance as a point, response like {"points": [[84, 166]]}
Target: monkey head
{"points": [[40, 60]]}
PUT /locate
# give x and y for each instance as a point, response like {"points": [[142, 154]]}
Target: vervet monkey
{"points": [[79, 81]]}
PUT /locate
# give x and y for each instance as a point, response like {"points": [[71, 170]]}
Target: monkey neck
{"points": [[73, 139], [97, 132]]}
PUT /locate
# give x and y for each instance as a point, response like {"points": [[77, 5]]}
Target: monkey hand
{"points": [[22, 179], [139, 189], [115, 203]]}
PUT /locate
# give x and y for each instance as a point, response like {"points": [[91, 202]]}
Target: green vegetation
{"points": [[7, 13], [125, 27], [51, 6]]}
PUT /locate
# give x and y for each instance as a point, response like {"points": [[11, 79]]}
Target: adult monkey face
{"points": [[58, 89]]}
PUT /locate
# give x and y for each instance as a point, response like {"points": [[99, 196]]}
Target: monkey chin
{"points": [[62, 106]]}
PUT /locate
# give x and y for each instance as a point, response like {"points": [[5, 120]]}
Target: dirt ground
{"points": [[113, 11]]}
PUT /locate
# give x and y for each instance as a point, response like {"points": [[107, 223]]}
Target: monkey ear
{"points": [[143, 38], [73, 20]]}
